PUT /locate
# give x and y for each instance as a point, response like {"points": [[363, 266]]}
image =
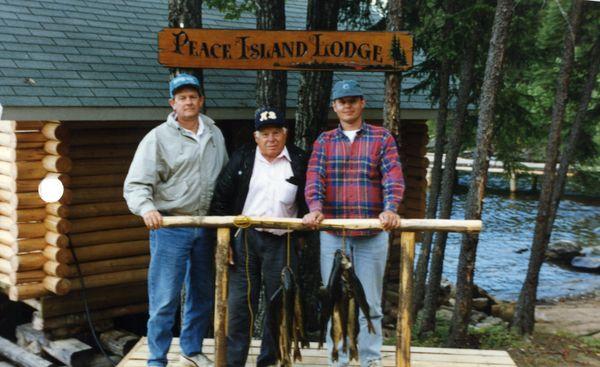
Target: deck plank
{"points": [[420, 356]]}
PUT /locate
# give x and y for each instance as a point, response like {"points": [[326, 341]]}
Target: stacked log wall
{"points": [[109, 243], [91, 225], [24, 162]]}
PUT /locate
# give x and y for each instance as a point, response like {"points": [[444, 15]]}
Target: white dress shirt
{"points": [[269, 194]]}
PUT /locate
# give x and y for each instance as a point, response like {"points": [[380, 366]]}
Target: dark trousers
{"points": [[259, 258]]}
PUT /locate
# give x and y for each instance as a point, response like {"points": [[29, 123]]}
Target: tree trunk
{"points": [[314, 88], [271, 85], [434, 190], [569, 149], [448, 183], [436, 171], [186, 14], [393, 81], [524, 313], [489, 92], [314, 91]]}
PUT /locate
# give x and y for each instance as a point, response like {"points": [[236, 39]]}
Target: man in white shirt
{"points": [[267, 180]]}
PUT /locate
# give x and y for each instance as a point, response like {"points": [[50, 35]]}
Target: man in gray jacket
{"points": [[173, 173]]}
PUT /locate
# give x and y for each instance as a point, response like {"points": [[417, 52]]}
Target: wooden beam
{"points": [[223, 238], [31, 244], [119, 342], [97, 267], [122, 294], [97, 252], [404, 322], [416, 225], [26, 291], [105, 279], [40, 323], [21, 356], [22, 277], [109, 236]]}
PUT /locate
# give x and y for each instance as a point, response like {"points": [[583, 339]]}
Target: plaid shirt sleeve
{"points": [[392, 178], [314, 191]]}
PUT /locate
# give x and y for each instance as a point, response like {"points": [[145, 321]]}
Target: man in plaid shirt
{"points": [[354, 172]]}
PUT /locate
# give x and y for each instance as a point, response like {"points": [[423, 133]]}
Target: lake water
{"points": [[508, 226]]}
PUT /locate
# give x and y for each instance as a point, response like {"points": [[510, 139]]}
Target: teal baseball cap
{"points": [[346, 88], [183, 80]]}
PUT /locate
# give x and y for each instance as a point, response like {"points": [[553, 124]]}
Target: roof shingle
{"points": [[60, 53]]}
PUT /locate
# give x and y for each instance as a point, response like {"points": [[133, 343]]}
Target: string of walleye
{"points": [[341, 299]]}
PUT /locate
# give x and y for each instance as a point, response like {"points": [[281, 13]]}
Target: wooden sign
{"points": [[284, 50]]}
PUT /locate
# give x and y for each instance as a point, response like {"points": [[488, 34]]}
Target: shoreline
{"points": [[577, 315], [586, 296]]}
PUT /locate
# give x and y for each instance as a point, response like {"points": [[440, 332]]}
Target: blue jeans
{"points": [[368, 255], [179, 255], [258, 264]]}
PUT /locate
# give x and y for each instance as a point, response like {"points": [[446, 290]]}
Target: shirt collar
{"points": [[284, 154], [364, 129]]}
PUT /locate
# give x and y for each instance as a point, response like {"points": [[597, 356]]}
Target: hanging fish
{"points": [[341, 301], [286, 322]]}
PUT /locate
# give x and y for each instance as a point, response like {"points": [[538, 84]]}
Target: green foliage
{"points": [[433, 339], [532, 66], [232, 9], [441, 30], [592, 342], [359, 14], [497, 337]]}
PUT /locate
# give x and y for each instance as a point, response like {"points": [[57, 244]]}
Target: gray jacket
{"points": [[173, 173]]}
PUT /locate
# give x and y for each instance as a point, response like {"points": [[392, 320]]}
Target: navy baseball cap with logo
{"points": [[268, 116], [183, 80], [346, 88]]}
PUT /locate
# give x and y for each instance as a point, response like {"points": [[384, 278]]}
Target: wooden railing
{"points": [[408, 227]]}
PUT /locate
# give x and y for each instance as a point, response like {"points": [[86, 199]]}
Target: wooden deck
{"points": [[420, 357]]}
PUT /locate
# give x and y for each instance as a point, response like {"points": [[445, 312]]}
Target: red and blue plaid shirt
{"points": [[354, 180]]}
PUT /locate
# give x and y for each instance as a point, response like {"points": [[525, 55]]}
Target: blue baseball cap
{"points": [[346, 88], [183, 80], [268, 116]]}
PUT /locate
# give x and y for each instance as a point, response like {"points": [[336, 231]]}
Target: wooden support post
{"points": [[404, 322], [223, 237], [513, 182], [534, 183]]}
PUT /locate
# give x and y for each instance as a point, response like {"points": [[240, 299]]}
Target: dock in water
{"points": [[420, 357]]}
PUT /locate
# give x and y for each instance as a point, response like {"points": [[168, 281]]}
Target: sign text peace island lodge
{"points": [[285, 50]]}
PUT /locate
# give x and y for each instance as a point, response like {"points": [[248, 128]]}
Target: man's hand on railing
{"points": [[389, 220], [313, 219], [152, 219]]}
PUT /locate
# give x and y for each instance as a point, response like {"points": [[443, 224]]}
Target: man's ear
{"points": [[172, 103], [255, 136]]}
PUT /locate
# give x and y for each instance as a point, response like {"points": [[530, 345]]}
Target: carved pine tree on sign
{"points": [[397, 53]]}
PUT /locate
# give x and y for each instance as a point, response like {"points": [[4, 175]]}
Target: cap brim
{"points": [[175, 90]]}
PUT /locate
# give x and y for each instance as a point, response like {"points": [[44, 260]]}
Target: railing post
{"points": [[221, 296], [404, 322]]}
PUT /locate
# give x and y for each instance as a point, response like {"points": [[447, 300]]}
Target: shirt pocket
{"points": [[287, 193], [173, 190]]}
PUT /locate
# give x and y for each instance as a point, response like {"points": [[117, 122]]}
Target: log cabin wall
{"points": [[111, 245], [24, 162]]}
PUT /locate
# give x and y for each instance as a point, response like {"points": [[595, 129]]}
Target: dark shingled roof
{"points": [[102, 53]]}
